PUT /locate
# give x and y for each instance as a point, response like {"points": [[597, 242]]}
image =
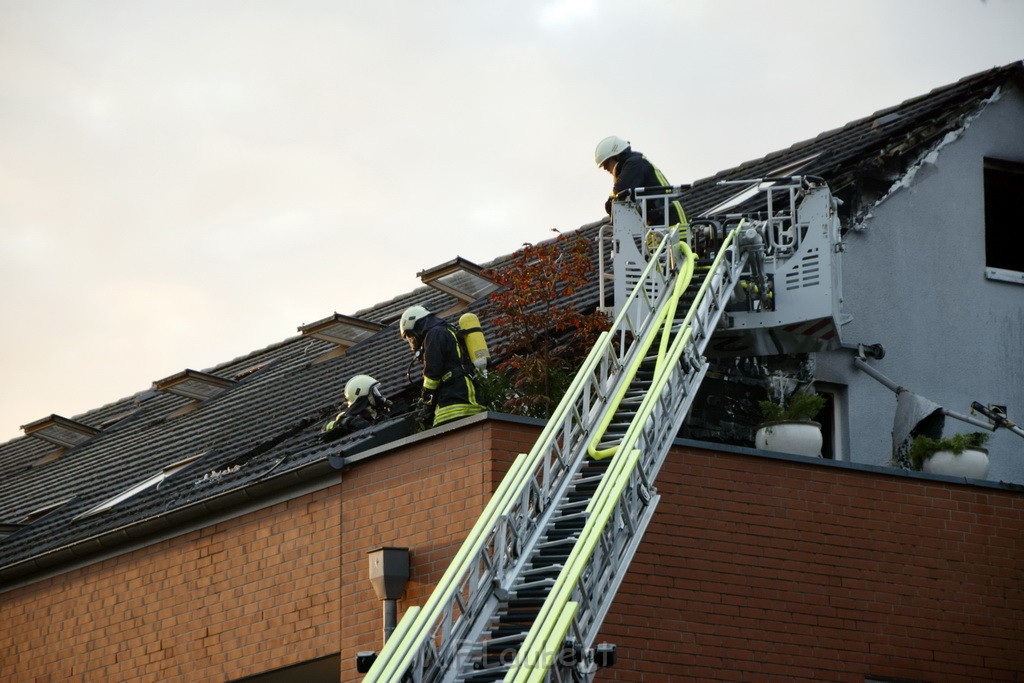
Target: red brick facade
{"points": [[759, 569], [753, 569]]}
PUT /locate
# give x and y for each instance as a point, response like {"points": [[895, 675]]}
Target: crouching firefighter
{"points": [[449, 391], [365, 406]]}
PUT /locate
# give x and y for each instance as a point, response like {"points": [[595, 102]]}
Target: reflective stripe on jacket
{"points": [[444, 372]]}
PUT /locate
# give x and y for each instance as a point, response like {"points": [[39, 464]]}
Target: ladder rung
{"points": [[579, 503], [582, 514], [584, 483], [557, 542], [488, 674], [539, 571], [532, 585], [508, 634]]}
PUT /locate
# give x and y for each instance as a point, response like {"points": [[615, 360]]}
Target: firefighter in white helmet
{"points": [[365, 405], [448, 391], [631, 170]]}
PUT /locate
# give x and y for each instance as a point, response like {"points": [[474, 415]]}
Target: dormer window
{"points": [[193, 384], [343, 330], [60, 430], [461, 278]]}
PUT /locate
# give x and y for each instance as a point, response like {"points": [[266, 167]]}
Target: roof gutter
{"points": [[202, 513]]}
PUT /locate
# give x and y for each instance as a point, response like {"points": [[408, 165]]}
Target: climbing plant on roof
{"points": [[541, 338]]}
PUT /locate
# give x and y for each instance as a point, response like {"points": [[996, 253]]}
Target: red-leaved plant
{"points": [[540, 338]]}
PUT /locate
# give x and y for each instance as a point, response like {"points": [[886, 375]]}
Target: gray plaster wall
{"points": [[914, 281]]}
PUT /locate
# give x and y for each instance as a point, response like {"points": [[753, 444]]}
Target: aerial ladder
{"points": [[526, 594]]}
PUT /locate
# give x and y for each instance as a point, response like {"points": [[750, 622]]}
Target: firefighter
{"points": [[631, 170], [365, 406], [448, 392]]}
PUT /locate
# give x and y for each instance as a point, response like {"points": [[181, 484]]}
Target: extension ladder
{"points": [[526, 594]]}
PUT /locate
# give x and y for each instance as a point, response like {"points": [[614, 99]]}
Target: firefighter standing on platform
{"points": [[448, 391], [631, 170]]}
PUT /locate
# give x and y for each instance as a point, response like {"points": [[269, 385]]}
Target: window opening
{"points": [[343, 330], [41, 512], [751, 191], [155, 480], [325, 669], [459, 277], [193, 384], [830, 419], [60, 431], [1004, 186]]}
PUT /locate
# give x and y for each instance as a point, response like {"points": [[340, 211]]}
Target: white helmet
{"points": [[409, 319], [360, 385], [609, 147]]}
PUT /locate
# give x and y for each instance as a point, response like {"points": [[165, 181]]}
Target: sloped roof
{"points": [[259, 434], [862, 159]]}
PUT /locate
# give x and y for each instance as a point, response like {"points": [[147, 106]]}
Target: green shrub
{"points": [[924, 447], [801, 405]]}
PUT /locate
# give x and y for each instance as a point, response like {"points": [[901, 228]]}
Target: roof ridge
{"points": [[982, 78]]}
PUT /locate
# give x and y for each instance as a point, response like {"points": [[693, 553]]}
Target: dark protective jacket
{"points": [[360, 414], [447, 375], [633, 170]]}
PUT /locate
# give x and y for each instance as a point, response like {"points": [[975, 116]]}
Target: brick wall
{"points": [[426, 499], [759, 569], [753, 569], [233, 599], [265, 590]]}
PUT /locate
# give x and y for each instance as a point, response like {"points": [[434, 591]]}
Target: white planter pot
{"points": [[972, 463], [800, 437]]}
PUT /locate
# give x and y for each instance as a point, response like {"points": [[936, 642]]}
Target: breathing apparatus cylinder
{"points": [[476, 344]]}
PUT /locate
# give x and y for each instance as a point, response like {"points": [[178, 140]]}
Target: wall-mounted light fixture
{"points": [[389, 572], [365, 660]]}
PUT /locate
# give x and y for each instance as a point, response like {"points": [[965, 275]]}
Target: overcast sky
{"points": [[183, 182]]}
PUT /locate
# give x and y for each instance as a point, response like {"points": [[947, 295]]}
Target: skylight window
{"points": [[736, 199], [41, 512], [60, 430], [753, 189], [193, 384], [155, 480], [343, 330], [461, 278]]}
